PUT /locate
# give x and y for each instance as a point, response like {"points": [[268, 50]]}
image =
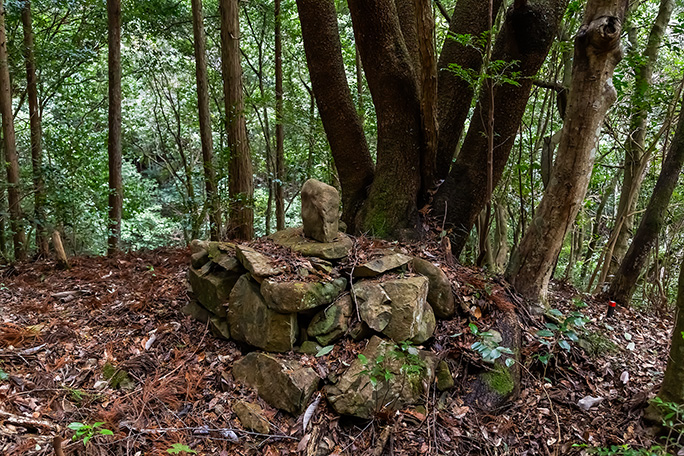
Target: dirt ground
{"points": [[61, 330]]}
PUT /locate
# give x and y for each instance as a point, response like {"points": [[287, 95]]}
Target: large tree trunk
{"points": [[470, 17], [597, 52], [625, 280], [333, 98], [205, 121], [240, 183], [114, 140], [636, 155], [526, 38], [36, 134], [391, 208], [280, 147], [11, 158]]}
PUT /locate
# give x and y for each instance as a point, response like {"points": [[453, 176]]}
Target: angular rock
{"points": [[332, 323], [294, 239], [212, 288], [219, 327], [258, 264], [444, 379], [252, 322], [388, 379], [381, 264], [295, 296], [309, 347], [285, 385], [197, 245], [440, 296], [196, 311], [251, 417], [397, 308], [199, 259], [320, 210]]}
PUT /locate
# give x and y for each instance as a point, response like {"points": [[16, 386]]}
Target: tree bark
{"points": [[280, 148], [672, 388], [391, 208], [333, 97], [636, 157], [625, 280], [11, 157], [456, 93], [205, 121], [525, 38], [114, 140], [597, 52], [240, 183], [36, 134]]}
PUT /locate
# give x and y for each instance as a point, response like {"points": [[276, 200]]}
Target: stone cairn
{"points": [[246, 296]]}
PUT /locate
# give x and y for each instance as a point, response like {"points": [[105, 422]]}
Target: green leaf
{"points": [[544, 333], [325, 350], [556, 313], [564, 345], [3, 375], [177, 448], [363, 359], [473, 328], [509, 362], [86, 439], [76, 426], [552, 326], [106, 432], [572, 335]]}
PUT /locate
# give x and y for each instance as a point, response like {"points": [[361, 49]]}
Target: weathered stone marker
{"points": [[320, 210]]}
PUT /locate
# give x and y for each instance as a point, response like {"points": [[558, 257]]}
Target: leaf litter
{"points": [[106, 342]]}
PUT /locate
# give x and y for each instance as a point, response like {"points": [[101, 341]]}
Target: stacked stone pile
{"points": [[298, 291]]}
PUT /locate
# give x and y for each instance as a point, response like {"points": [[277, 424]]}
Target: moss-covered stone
{"points": [[331, 323], [440, 296], [500, 380], [118, 378], [445, 380], [212, 288], [309, 347]]}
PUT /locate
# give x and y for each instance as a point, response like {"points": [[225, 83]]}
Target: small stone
{"points": [[283, 384], [252, 322], [219, 327], [331, 323], [320, 210], [251, 417], [445, 380], [199, 259], [295, 296], [309, 347], [258, 264], [196, 311], [294, 239], [381, 264]]}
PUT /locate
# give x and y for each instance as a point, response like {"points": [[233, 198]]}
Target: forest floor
{"points": [[59, 328]]}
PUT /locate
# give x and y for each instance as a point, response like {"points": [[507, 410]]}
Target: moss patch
{"points": [[596, 344], [117, 378], [500, 380]]}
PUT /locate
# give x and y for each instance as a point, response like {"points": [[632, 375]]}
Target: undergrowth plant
{"points": [[560, 334], [86, 432], [488, 347]]}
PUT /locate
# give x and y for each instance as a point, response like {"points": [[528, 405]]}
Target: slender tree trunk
{"points": [[624, 282], [240, 183], [11, 158], [391, 208], [36, 135], [333, 97], [470, 17], [427, 81], [205, 121], [280, 152], [672, 388], [500, 237], [114, 140], [526, 37], [636, 157], [597, 52]]}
